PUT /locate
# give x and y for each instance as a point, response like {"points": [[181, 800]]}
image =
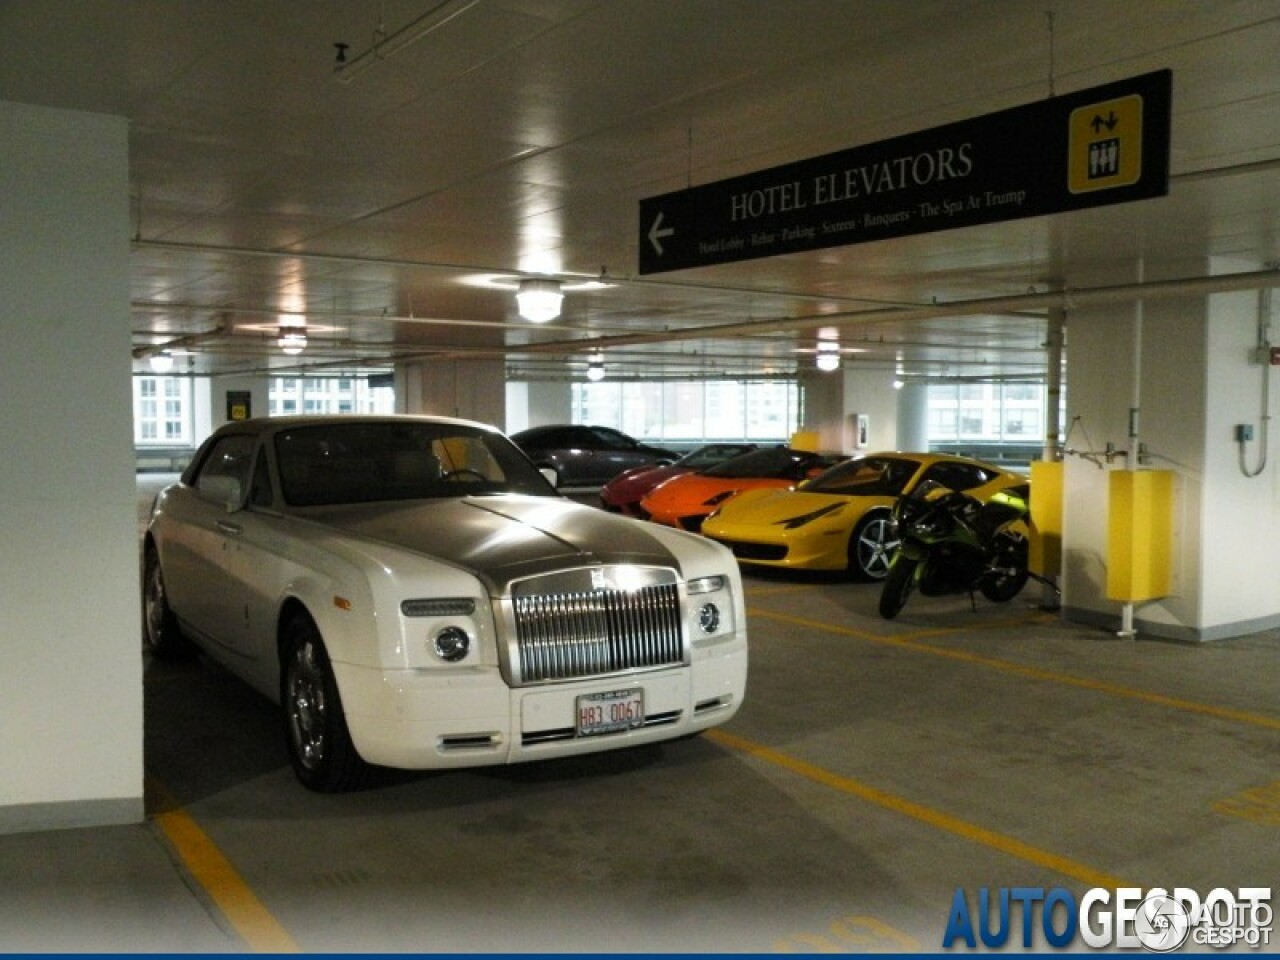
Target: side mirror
{"points": [[223, 490]]}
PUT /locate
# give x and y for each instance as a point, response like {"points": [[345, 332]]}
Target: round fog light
{"points": [[709, 618], [452, 644]]}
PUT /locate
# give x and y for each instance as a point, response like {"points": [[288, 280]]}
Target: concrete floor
{"points": [[875, 768]]}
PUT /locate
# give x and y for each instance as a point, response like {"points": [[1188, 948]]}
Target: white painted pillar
{"points": [[913, 418], [70, 656]]}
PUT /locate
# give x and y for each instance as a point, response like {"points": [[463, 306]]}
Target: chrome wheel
{"points": [[155, 606], [160, 634], [323, 756], [305, 706], [873, 546]]}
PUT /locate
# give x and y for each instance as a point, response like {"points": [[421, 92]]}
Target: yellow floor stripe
{"points": [[934, 818], [1036, 673], [250, 919]]}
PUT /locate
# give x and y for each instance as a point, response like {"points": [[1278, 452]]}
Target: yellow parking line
{"points": [[246, 914], [754, 591], [1098, 686], [934, 818]]}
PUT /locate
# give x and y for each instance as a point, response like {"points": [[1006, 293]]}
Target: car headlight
{"points": [[710, 608], [451, 639], [812, 515], [709, 617]]}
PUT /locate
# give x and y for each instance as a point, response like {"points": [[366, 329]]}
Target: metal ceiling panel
{"points": [[397, 207]]}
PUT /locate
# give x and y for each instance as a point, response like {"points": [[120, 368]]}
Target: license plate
{"points": [[610, 712]]}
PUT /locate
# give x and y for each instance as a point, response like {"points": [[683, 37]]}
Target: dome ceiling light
{"points": [[539, 299], [595, 368]]}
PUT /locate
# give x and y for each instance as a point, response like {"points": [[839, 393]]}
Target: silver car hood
{"points": [[501, 539]]}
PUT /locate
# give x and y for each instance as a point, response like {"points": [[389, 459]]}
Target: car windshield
{"points": [[865, 477], [367, 462], [770, 462], [712, 454]]}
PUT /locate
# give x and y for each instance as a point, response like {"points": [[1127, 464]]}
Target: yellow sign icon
{"points": [[1105, 145]]}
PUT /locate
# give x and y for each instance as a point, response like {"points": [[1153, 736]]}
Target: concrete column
{"points": [[549, 402], [1197, 382], [517, 406], [913, 417], [70, 667], [870, 393], [470, 389], [824, 408], [258, 390]]}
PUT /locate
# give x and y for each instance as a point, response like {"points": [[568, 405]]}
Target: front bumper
{"points": [[823, 552], [426, 719]]}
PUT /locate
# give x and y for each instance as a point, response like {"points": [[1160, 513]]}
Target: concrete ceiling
{"points": [[394, 209]]}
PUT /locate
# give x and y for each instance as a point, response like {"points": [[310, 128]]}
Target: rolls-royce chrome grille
{"points": [[560, 636]]}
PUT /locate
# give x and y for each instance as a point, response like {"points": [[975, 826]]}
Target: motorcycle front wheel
{"points": [[898, 584]]}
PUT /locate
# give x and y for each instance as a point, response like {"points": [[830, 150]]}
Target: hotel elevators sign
{"points": [[1105, 145]]}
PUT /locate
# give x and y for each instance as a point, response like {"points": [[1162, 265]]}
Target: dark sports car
{"points": [[587, 456]]}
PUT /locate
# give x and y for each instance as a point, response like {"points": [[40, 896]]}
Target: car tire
{"points": [[872, 547], [161, 635], [320, 749], [898, 585]]}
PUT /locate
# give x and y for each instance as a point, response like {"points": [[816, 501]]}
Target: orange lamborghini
{"points": [[686, 500]]}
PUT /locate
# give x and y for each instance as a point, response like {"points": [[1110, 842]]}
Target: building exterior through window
{"points": [[992, 420], [162, 411], [314, 395], [692, 412]]}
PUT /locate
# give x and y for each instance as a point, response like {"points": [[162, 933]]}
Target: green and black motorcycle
{"points": [[951, 542]]}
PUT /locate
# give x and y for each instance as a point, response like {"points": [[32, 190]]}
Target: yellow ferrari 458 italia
{"points": [[840, 519]]}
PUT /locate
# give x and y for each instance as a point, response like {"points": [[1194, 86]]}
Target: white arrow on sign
{"points": [[656, 234]]}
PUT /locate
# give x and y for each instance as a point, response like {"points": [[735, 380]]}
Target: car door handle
{"points": [[226, 527]]}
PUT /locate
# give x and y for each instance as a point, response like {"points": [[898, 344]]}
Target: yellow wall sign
{"points": [[1106, 145]]}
